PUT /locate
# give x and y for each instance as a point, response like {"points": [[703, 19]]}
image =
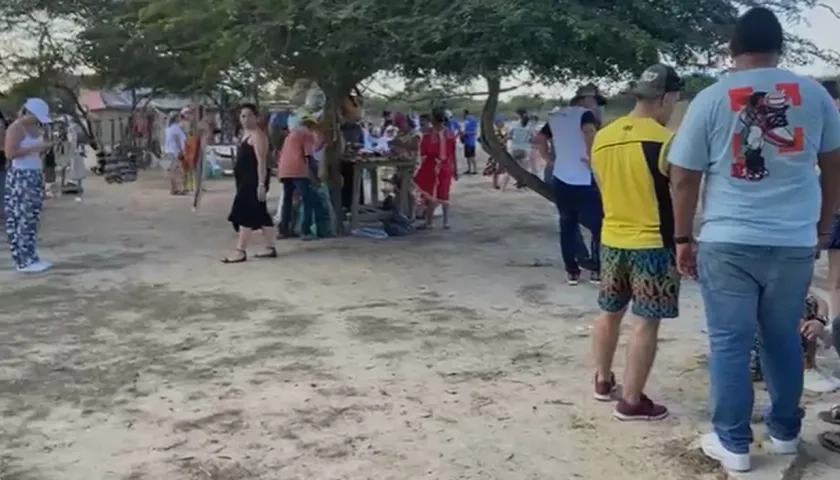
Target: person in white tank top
{"points": [[24, 195]]}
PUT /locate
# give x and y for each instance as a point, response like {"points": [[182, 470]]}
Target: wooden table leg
{"points": [[374, 187], [357, 188]]}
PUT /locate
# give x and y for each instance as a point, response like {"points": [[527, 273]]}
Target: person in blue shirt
{"points": [[451, 124], [755, 139], [469, 137]]}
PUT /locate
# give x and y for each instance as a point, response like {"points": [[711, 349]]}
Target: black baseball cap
{"points": [[656, 81]]}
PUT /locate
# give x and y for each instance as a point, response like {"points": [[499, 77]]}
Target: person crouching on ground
{"points": [[24, 196], [637, 240], [812, 328], [437, 169]]}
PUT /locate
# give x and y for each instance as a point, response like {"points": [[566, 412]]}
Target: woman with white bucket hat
{"points": [[24, 196]]}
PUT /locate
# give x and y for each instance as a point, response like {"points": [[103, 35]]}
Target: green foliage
{"points": [[696, 82], [423, 100], [238, 45], [556, 40], [235, 47]]}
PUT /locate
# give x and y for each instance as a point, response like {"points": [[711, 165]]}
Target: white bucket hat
{"points": [[39, 108]]}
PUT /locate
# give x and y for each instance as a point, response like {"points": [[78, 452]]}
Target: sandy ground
{"points": [[445, 355]]}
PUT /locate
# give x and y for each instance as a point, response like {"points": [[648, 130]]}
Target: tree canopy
{"points": [[237, 46]]}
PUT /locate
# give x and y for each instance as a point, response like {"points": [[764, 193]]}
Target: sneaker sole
{"points": [[638, 418], [785, 448], [603, 398], [739, 469]]}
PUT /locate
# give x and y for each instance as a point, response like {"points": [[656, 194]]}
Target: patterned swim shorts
{"points": [[647, 277]]}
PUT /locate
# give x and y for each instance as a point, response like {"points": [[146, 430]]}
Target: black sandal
{"points": [[830, 441], [270, 252], [831, 415], [243, 258]]}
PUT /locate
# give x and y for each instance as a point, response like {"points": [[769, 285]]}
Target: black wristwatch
{"points": [[683, 240]]}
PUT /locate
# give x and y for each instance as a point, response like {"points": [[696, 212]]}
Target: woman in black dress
{"points": [[249, 211]]}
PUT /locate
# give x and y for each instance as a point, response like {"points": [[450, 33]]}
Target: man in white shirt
{"points": [[173, 153], [576, 196], [519, 138]]}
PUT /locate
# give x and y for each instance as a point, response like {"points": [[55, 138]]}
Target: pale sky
{"points": [[820, 26]]}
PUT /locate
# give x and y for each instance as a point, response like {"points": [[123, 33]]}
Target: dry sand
{"points": [[445, 355]]}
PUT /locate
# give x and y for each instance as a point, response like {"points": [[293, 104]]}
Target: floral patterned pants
{"points": [[23, 202]]}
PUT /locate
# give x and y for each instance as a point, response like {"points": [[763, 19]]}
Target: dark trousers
{"points": [[835, 334], [312, 207], [347, 173], [578, 205]]}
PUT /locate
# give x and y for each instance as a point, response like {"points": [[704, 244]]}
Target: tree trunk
{"points": [[493, 145], [80, 115]]}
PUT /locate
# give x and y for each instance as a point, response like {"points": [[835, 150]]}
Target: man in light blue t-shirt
{"points": [[756, 138]]}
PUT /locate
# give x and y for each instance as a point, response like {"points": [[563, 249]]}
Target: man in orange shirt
{"points": [[298, 171]]}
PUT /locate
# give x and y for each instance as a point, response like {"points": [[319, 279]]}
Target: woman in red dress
{"points": [[437, 169]]}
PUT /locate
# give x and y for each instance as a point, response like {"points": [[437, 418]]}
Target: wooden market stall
{"points": [[371, 165]]}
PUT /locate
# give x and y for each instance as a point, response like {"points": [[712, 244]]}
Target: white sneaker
{"points": [[712, 448], [828, 374], [783, 447], [816, 381], [37, 267]]}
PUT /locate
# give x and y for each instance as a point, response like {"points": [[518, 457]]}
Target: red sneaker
{"points": [[605, 389], [645, 410]]}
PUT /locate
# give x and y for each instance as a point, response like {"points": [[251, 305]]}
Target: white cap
{"points": [[39, 108]]}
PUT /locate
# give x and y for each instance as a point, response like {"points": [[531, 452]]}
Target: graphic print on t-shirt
{"points": [[763, 125]]}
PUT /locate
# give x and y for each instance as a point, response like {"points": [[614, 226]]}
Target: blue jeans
{"points": [[312, 206], [747, 289], [578, 205]]}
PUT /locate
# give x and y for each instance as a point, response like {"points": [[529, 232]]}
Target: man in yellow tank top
{"points": [[637, 239]]}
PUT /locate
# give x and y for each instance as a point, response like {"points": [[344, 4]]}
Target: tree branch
{"points": [[435, 96], [830, 9], [494, 146]]}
